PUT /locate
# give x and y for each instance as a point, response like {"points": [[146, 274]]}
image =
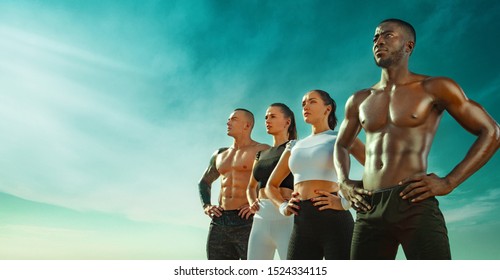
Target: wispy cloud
{"points": [[43, 232], [74, 141], [475, 207], [38, 48]]}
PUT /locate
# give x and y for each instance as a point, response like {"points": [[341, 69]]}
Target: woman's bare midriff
{"points": [[306, 189]]}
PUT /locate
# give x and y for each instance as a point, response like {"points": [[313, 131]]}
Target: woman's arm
{"points": [[252, 192], [287, 207]]}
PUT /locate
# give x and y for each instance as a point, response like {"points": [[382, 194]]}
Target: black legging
{"points": [[320, 234]]}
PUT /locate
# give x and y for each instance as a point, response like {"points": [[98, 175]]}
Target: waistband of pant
{"points": [[308, 205], [312, 213], [231, 218], [390, 189], [268, 211], [334, 193], [378, 194]]}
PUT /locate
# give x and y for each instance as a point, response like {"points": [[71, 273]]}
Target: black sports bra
{"points": [[266, 162]]}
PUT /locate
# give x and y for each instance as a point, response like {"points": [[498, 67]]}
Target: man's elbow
{"points": [[203, 184], [496, 134], [341, 149], [493, 132]]}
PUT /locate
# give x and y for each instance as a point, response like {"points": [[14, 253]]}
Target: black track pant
{"points": [[418, 226], [228, 236], [320, 234]]}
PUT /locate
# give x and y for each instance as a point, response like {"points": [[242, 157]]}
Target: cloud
{"points": [[75, 141], [472, 208], [42, 232], [89, 132]]}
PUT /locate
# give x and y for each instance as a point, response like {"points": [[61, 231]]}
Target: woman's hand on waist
{"points": [[290, 207], [255, 206], [327, 200]]}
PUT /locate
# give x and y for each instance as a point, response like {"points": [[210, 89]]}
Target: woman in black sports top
{"points": [[271, 230]]}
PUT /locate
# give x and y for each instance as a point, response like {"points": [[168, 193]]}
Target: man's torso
{"points": [[400, 123], [235, 167]]}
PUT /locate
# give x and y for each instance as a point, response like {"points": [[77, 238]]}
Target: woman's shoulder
{"points": [[290, 145]]}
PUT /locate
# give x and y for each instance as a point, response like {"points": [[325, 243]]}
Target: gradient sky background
{"points": [[110, 110]]}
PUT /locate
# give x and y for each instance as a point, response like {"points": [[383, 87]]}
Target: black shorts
{"points": [[418, 226], [228, 236]]}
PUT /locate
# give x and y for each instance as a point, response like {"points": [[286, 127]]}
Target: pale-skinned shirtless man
{"points": [[231, 218]]}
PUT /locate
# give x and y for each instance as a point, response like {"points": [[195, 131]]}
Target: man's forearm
{"points": [[342, 163], [205, 193], [480, 152]]}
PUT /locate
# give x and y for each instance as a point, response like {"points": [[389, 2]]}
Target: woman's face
{"points": [[313, 108], [276, 122]]}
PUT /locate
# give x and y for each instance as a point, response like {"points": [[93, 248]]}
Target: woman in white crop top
{"points": [[322, 224]]}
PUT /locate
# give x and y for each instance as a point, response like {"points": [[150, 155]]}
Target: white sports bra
{"points": [[312, 157]]}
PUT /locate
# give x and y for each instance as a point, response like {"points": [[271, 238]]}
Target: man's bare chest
{"points": [[235, 161], [399, 108]]}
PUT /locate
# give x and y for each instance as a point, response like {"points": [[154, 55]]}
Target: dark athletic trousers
{"points": [[418, 226], [228, 236], [320, 234]]}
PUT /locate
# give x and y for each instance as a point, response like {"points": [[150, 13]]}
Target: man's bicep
{"points": [[350, 126], [205, 184], [472, 117], [349, 130], [468, 113], [211, 173]]}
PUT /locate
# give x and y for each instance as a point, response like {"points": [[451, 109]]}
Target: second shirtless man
{"points": [[231, 218]]}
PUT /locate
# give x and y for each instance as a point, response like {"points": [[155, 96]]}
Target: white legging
{"points": [[270, 231]]}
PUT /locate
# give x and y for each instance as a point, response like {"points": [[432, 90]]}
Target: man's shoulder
{"points": [[441, 86], [260, 147], [255, 147], [223, 149], [220, 151], [437, 81], [359, 96], [363, 92]]}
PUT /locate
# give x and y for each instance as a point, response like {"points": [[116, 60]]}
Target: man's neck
{"points": [[394, 75], [242, 141]]}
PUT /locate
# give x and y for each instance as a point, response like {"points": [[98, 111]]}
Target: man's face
{"points": [[236, 123], [388, 44]]}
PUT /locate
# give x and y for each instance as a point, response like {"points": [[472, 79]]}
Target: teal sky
{"points": [[110, 110]]}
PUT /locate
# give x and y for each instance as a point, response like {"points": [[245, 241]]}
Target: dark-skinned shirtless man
{"points": [[395, 200], [231, 218]]}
